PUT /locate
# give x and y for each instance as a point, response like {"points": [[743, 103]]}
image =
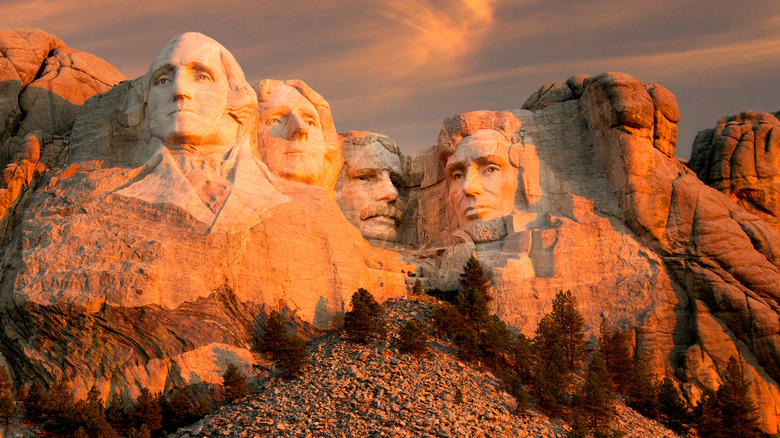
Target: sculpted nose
{"points": [[385, 190], [182, 87], [297, 129], [472, 184]]}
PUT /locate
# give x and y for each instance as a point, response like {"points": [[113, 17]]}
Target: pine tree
{"points": [[566, 315], [274, 336], [7, 404], [641, 392], [58, 407], [495, 341], [417, 289], [412, 338], [671, 408], [147, 411], [294, 356], [614, 348], [90, 416], [522, 357], [735, 404], [233, 383], [551, 374], [366, 317], [473, 277], [36, 399], [447, 320], [117, 416], [597, 394], [708, 416]]}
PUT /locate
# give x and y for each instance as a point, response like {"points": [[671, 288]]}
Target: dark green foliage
{"points": [[579, 429], [671, 408], [21, 395], [147, 411], [89, 416], [735, 403], [7, 404], [58, 408], [287, 350], [366, 317], [551, 374], [413, 338], [522, 357], [708, 417], [294, 356], [514, 387], [417, 289], [458, 396], [615, 349], [36, 397], [495, 341], [473, 277], [7, 407], [447, 320], [641, 392], [274, 336], [233, 383], [177, 410], [737, 411], [443, 295], [567, 317], [472, 304], [597, 394], [141, 432], [117, 416], [467, 341]]}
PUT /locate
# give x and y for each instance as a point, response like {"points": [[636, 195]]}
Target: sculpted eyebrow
{"points": [[161, 70], [201, 67]]}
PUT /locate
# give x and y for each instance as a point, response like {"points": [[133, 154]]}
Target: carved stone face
{"points": [[188, 98], [482, 181], [369, 196], [290, 137]]}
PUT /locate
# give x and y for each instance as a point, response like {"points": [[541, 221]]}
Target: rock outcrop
{"points": [[740, 157]]}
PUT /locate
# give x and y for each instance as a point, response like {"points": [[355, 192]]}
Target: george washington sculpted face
{"points": [[188, 94]]}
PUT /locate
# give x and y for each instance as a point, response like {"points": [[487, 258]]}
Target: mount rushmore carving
{"points": [[146, 230]]}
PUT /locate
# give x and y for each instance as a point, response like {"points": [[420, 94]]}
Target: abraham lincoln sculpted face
{"points": [[491, 172], [188, 100]]}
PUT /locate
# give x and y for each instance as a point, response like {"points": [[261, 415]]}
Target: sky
{"points": [[400, 67]]}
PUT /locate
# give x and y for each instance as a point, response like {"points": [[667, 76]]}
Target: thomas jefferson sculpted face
{"points": [[189, 97], [296, 136], [367, 190]]}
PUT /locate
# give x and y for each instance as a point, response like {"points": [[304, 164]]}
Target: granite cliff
{"points": [[109, 279]]}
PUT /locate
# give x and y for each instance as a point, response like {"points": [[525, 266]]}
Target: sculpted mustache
{"points": [[381, 210]]}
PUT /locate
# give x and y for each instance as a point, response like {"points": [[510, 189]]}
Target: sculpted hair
{"points": [[353, 140], [461, 126], [242, 101]]}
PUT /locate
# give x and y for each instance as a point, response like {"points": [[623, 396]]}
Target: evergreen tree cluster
{"points": [[366, 319], [53, 409], [287, 350]]}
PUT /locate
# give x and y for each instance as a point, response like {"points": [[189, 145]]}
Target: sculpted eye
{"points": [[456, 175], [203, 76], [272, 120], [492, 169], [162, 80]]}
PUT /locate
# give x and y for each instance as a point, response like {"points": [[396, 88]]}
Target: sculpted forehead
{"points": [[373, 156], [188, 50], [484, 143], [285, 98]]}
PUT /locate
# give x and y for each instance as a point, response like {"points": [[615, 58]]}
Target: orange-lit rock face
{"points": [[367, 191], [188, 98], [482, 182], [292, 138]]}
